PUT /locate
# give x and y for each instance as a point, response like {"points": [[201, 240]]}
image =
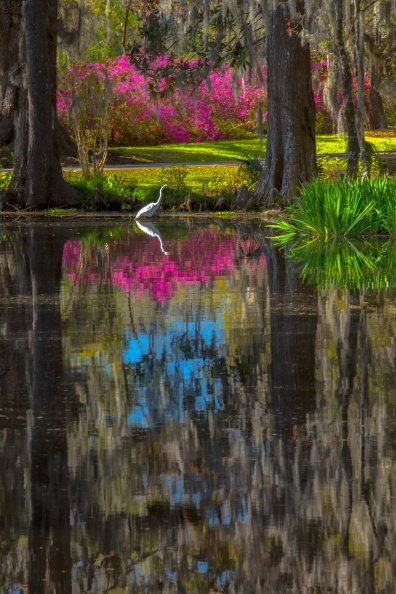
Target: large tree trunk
{"points": [[10, 25], [291, 147], [37, 180]]}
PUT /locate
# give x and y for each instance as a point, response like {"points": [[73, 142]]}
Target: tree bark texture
{"points": [[363, 146], [37, 180], [42, 165], [346, 81], [10, 71], [291, 146], [378, 117]]}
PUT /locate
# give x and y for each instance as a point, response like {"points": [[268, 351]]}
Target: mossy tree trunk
{"points": [[353, 148], [291, 145], [377, 111], [10, 26], [360, 54], [37, 180]]}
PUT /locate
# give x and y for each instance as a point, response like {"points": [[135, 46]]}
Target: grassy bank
{"points": [[131, 187], [230, 150], [204, 183], [211, 181]]}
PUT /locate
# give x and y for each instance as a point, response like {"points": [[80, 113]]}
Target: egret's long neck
{"points": [[160, 196]]}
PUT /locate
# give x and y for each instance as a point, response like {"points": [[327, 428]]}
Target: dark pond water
{"points": [[182, 413]]}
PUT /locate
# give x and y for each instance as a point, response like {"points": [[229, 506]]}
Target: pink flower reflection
{"points": [[136, 263]]}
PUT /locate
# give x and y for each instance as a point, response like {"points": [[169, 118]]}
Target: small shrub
{"points": [[84, 99]]}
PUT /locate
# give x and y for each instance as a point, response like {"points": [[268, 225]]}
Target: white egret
{"points": [[151, 230], [150, 209]]}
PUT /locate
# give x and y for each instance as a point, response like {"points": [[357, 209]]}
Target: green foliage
{"points": [[384, 191], [143, 194], [110, 187], [201, 182], [175, 178], [4, 180], [345, 263], [102, 28], [331, 168], [324, 124], [333, 209]]}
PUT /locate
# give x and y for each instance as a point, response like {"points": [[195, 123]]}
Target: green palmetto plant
{"points": [[339, 209], [385, 193]]}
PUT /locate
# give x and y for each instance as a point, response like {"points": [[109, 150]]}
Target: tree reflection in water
{"points": [[202, 421]]}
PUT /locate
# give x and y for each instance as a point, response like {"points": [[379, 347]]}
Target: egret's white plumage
{"points": [[150, 209]]}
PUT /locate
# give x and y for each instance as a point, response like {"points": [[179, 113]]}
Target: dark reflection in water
{"points": [[179, 412]]}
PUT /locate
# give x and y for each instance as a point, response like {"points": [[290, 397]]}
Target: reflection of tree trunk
{"points": [[15, 388], [49, 539], [369, 581], [347, 376], [294, 318]]}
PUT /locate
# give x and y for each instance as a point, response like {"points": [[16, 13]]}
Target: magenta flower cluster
{"points": [[213, 111], [221, 108]]}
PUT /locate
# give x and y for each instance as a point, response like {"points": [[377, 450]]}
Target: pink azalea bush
{"points": [[212, 112]]}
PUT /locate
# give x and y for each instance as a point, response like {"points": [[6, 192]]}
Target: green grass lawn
{"points": [[143, 183], [201, 152], [229, 150], [209, 180]]}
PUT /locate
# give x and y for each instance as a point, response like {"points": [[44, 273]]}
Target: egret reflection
{"points": [[152, 230]]}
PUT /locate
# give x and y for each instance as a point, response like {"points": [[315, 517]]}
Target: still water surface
{"points": [[180, 412]]}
